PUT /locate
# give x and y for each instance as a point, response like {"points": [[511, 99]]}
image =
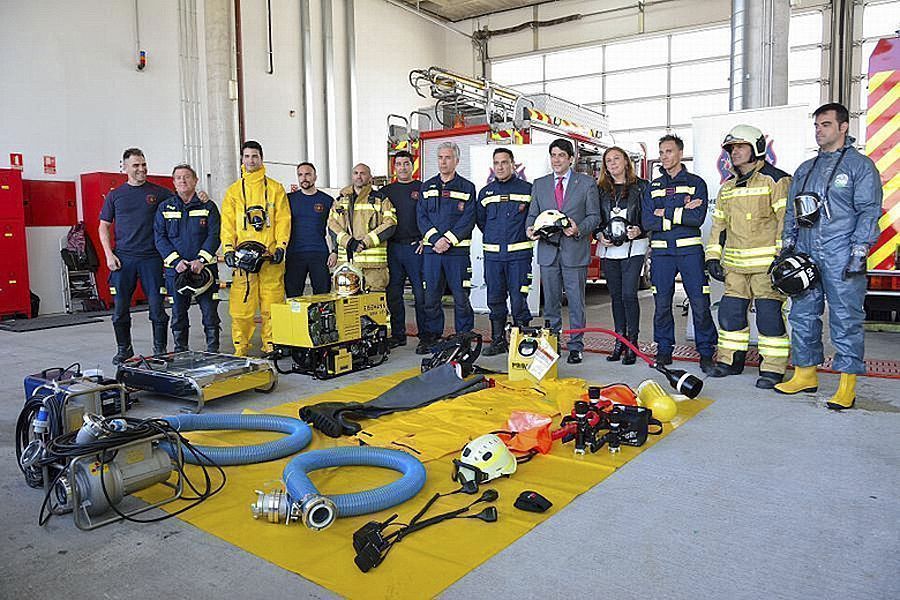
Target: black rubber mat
{"points": [[46, 322]]}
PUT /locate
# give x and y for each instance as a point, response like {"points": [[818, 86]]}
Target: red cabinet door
{"points": [[14, 294], [49, 203], [11, 205]]}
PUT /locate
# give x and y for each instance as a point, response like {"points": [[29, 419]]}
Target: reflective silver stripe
{"points": [[658, 244], [684, 189], [453, 239], [667, 224], [171, 214], [167, 261], [430, 193], [430, 233], [520, 246], [491, 247], [209, 258], [199, 212], [691, 241], [745, 191], [676, 218], [459, 195], [520, 197], [657, 193]]}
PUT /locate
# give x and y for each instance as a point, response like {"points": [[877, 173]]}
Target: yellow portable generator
{"points": [[533, 354], [330, 334]]}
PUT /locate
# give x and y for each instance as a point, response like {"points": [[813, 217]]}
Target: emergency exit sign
{"points": [[15, 160]]}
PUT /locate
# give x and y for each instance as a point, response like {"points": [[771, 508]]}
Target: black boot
{"points": [[180, 337], [124, 350], [630, 357], [160, 338], [617, 349], [212, 339], [498, 340]]}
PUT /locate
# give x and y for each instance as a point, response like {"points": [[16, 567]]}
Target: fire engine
{"points": [[474, 111], [883, 147]]}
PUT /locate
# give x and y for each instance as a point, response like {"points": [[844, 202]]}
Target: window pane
{"points": [[518, 70], [804, 64], [701, 44], [650, 137], [805, 29], [639, 53], [630, 115], [574, 62], [809, 94], [624, 86], [700, 77], [880, 19], [581, 90], [684, 109]]}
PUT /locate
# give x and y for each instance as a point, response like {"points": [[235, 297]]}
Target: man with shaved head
{"points": [[361, 222]]}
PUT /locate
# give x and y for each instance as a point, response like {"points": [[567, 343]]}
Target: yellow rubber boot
{"points": [[805, 379], [845, 397]]}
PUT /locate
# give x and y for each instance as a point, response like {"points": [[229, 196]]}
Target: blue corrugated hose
{"points": [[299, 485], [299, 436]]}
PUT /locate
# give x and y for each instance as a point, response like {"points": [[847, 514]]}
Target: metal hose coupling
{"points": [[274, 507], [317, 512]]}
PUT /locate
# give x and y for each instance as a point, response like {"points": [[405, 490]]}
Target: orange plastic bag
{"points": [[527, 433]]}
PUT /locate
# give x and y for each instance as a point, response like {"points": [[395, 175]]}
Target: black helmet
{"points": [[250, 256], [794, 273], [188, 283], [616, 230]]}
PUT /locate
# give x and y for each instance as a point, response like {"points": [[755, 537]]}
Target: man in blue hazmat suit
{"points": [[832, 214]]}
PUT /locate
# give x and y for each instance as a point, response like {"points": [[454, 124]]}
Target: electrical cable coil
{"points": [[299, 436], [304, 502]]}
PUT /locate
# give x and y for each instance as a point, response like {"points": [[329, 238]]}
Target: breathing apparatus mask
{"points": [[250, 256], [808, 205], [256, 217], [191, 284], [616, 231], [462, 349], [483, 459]]}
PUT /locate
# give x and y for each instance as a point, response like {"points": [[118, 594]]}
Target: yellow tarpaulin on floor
{"points": [[426, 562]]}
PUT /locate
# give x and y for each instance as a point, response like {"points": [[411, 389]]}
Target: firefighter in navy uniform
{"points": [[446, 215], [500, 214], [187, 237], [673, 208], [745, 236]]}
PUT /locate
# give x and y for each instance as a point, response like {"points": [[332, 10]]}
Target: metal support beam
{"points": [[759, 53]]}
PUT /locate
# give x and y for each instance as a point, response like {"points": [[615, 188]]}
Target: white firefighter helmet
{"points": [[348, 280], [550, 222], [483, 459], [746, 134]]}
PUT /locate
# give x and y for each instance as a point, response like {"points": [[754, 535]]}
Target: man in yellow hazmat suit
{"points": [[255, 210]]}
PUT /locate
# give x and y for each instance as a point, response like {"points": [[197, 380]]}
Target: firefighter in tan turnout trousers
{"points": [[361, 222], [744, 239]]}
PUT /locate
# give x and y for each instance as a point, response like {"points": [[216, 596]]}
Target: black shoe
{"points": [[123, 354], [498, 346], [396, 341], [575, 357], [616, 354], [768, 380], [424, 346], [664, 359], [723, 370], [629, 357], [707, 365]]}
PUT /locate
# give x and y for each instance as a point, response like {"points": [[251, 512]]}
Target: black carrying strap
{"points": [[830, 177]]}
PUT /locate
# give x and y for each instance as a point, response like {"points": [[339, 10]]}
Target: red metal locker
{"points": [[15, 298], [94, 188], [49, 203]]}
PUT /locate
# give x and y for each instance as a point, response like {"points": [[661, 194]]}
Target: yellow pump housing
{"points": [[330, 334], [524, 347]]}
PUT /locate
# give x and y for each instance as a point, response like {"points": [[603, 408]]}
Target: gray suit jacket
{"points": [[581, 204]]}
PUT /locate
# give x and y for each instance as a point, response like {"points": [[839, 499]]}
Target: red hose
{"points": [[637, 351]]}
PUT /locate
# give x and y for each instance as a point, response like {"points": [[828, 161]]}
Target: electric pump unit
{"points": [[326, 335]]}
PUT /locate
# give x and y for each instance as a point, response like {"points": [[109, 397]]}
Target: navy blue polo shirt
{"points": [[309, 216], [404, 197], [132, 209]]}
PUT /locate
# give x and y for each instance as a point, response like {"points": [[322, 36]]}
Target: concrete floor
{"points": [[758, 496]]}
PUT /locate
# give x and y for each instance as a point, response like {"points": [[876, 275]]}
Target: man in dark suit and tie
{"points": [[564, 266]]}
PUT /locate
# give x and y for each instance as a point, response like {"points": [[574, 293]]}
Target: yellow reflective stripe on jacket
{"points": [[745, 191], [667, 224], [429, 233], [749, 252], [459, 195], [705, 290], [779, 204], [658, 244], [430, 193], [713, 251], [453, 239], [170, 259], [718, 214], [171, 214], [691, 241], [684, 189], [373, 239], [520, 197], [679, 213], [509, 247], [464, 243], [491, 247], [779, 244], [199, 212], [657, 193], [206, 256], [341, 237]]}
